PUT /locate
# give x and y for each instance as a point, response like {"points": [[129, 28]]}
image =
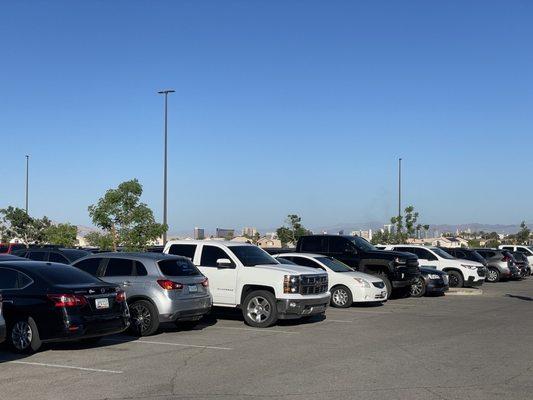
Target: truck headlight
{"points": [[291, 284], [469, 266], [433, 276], [362, 282]]}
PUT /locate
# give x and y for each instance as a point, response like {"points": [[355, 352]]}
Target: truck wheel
{"points": [[388, 285], [418, 288], [23, 336], [144, 318], [456, 279], [259, 309], [341, 297], [493, 275]]}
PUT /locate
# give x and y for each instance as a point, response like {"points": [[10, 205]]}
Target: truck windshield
{"points": [[252, 255], [334, 265], [361, 243]]}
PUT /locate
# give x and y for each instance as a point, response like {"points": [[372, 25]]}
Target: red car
{"points": [[7, 248]]}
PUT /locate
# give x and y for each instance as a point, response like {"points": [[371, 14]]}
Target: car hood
{"points": [[391, 254], [426, 270], [361, 275], [290, 269]]}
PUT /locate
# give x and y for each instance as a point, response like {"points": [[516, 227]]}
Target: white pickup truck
{"points": [[245, 276]]}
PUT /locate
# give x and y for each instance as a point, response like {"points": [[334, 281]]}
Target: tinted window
{"points": [[507, 247], [210, 255], [74, 254], [523, 250], [139, 269], [185, 250], [8, 278], [178, 267], [285, 260], [90, 265], [37, 255], [252, 255], [312, 244], [338, 245], [334, 264], [56, 257], [65, 275], [306, 262], [459, 254], [119, 267]]}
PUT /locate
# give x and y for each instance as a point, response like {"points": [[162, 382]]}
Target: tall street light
{"points": [[399, 188], [27, 175], [165, 92]]}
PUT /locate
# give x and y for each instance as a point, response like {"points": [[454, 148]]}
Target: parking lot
{"points": [[452, 347]]}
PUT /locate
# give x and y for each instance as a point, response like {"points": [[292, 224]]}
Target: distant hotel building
{"points": [[249, 231], [199, 233], [364, 234], [225, 233]]}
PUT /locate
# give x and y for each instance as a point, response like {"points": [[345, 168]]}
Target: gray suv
{"points": [[500, 264], [159, 287]]}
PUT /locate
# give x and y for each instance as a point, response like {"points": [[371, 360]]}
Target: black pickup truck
{"points": [[397, 269]]}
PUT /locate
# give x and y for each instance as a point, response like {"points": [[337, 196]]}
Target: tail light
{"points": [[506, 259], [205, 283], [121, 296], [169, 285], [67, 300]]}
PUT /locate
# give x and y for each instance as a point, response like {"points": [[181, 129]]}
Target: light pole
{"points": [[399, 188], [27, 175], [165, 92]]}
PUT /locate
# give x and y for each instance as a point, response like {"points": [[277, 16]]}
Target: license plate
{"points": [[193, 289], [102, 303]]}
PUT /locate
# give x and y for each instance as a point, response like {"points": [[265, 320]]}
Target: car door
{"points": [[344, 251], [222, 278], [126, 273]]}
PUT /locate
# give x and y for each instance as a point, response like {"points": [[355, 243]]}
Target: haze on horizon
{"points": [[280, 107]]}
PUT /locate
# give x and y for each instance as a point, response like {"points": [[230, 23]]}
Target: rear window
{"points": [[74, 254], [185, 250], [65, 275], [178, 267]]}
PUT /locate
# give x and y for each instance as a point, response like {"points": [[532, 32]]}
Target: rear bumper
{"points": [[293, 309], [183, 310], [77, 329]]}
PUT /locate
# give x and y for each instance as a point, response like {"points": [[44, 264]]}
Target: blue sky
{"points": [[280, 107]]}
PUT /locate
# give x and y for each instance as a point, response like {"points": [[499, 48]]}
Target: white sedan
{"points": [[345, 285]]}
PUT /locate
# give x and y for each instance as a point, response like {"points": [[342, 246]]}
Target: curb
{"points": [[464, 292]]}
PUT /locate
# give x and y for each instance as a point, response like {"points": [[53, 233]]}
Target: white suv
{"points": [[243, 275], [461, 272], [525, 250], [345, 285]]}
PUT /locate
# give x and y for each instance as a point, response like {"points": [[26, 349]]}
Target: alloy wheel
{"points": [[141, 317], [258, 309], [417, 287], [21, 335], [492, 275], [340, 297]]}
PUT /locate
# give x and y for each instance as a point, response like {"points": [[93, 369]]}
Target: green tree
{"points": [[127, 220], [18, 224], [103, 241], [293, 231], [62, 234], [522, 237]]}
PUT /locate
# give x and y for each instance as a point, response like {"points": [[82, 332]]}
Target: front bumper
{"points": [[436, 286], [297, 308], [470, 282], [186, 310], [373, 294], [404, 276]]}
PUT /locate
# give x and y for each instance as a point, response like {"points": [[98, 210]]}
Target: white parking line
{"points": [[66, 367], [255, 330], [168, 344]]}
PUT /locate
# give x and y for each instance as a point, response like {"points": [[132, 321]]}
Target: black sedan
{"points": [[49, 302], [430, 282]]}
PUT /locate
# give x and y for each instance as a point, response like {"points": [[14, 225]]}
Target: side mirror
{"points": [[224, 263]]}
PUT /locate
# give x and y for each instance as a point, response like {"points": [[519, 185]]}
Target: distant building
{"points": [[364, 234], [450, 242], [241, 239], [225, 233], [266, 242], [199, 234], [249, 231]]}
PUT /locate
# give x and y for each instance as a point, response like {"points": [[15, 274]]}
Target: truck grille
{"points": [[313, 284], [410, 271]]}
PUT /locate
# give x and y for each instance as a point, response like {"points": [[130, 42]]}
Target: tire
{"points": [[387, 282], [259, 309], [341, 297], [144, 318], [418, 288], [456, 279], [493, 275], [23, 336]]}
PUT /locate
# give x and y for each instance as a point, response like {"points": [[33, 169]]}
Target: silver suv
{"points": [[500, 264], [159, 287]]}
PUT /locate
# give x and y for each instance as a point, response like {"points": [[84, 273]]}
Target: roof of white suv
{"points": [[220, 242]]}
